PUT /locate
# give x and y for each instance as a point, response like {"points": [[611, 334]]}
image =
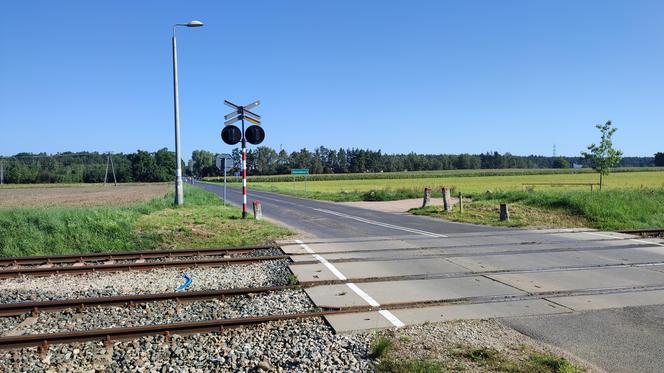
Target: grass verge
{"points": [[202, 222], [386, 353], [609, 210]]}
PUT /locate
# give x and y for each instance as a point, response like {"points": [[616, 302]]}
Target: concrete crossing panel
{"points": [[602, 301], [398, 292], [601, 278], [377, 269], [348, 323]]}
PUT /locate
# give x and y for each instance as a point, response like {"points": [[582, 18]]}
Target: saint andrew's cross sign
{"points": [[231, 135]]}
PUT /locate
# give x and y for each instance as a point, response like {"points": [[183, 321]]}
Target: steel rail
{"points": [[35, 307], [121, 255], [16, 272], [112, 334], [647, 231]]}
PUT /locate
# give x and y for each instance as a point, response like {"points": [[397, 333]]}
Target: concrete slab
{"points": [[348, 323], [349, 246], [396, 292], [656, 268], [600, 278], [602, 301], [651, 254], [378, 269], [479, 250], [532, 261]]}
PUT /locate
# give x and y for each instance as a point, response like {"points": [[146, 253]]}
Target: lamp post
{"points": [[179, 198]]}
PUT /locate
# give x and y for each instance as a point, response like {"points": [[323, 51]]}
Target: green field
{"points": [[400, 188], [202, 222]]}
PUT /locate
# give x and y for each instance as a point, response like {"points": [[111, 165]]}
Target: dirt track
{"points": [[81, 196]]}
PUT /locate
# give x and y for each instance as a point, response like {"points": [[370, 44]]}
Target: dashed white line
{"points": [[389, 316], [380, 224]]}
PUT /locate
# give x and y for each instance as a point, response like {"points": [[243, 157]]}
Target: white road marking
{"points": [[619, 238], [389, 316], [380, 224]]}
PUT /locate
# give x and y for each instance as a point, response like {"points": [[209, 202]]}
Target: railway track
{"points": [[109, 335], [127, 255], [116, 267]]}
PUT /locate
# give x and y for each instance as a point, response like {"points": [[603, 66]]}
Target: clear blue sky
{"points": [[423, 76]]}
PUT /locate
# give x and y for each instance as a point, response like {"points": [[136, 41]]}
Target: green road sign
{"points": [[300, 171]]}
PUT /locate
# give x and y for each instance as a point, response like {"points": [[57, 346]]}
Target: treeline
{"points": [[144, 166], [88, 167], [264, 160]]}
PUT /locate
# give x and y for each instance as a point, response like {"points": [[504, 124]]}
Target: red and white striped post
{"points": [[244, 181], [244, 170]]}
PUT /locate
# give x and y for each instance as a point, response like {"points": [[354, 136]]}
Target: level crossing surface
{"points": [[548, 284]]}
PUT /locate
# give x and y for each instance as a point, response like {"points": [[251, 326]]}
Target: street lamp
{"points": [[179, 198]]}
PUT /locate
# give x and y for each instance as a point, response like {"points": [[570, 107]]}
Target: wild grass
{"points": [[607, 210], [536, 362], [202, 222], [610, 209]]}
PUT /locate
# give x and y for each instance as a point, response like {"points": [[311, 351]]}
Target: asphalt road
{"points": [[330, 220], [629, 339]]}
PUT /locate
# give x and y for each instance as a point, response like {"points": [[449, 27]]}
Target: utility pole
{"points": [[2, 171], [179, 196]]}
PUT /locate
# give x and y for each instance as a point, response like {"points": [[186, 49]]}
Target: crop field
{"points": [[79, 195], [398, 188]]}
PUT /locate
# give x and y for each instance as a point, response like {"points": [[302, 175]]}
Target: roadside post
{"points": [[427, 197], [504, 212], [301, 171], [224, 162], [447, 203], [231, 135]]}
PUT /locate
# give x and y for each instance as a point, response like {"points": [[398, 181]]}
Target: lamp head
{"points": [[194, 24]]}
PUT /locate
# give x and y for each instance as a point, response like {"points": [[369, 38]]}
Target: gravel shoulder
{"points": [[469, 346], [400, 206]]}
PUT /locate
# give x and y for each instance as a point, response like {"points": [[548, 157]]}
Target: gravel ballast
{"points": [[263, 304], [291, 346], [269, 273]]}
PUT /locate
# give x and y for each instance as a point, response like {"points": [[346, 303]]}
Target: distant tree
{"points": [[204, 162], [603, 157], [659, 159], [165, 161], [560, 162], [143, 166]]}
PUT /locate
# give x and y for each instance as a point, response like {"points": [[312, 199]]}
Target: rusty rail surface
{"points": [[650, 232], [16, 272], [126, 255], [112, 334], [35, 307]]}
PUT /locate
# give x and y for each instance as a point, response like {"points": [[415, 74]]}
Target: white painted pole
{"points": [[179, 197], [225, 180]]}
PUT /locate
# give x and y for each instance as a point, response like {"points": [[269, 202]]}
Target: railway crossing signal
{"points": [[231, 135]]}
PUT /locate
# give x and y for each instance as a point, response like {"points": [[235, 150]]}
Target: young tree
{"points": [[603, 156]]}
